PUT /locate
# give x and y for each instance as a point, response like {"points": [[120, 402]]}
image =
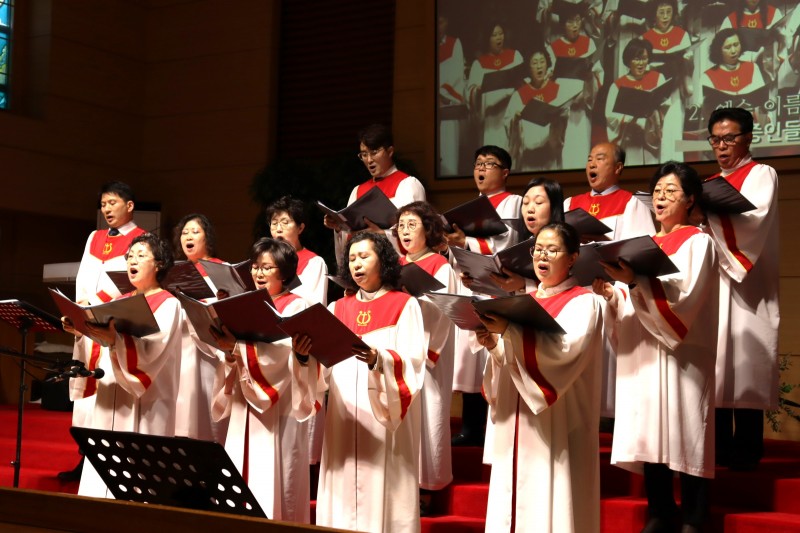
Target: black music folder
{"points": [[249, 317], [374, 205], [584, 223], [132, 315], [479, 267], [225, 277], [184, 276], [458, 308], [518, 258], [505, 79], [543, 113], [120, 280], [645, 257], [417, 281], [331, 341], [476, 218], [576, 68], [523, 310], [715, 99], [719, 196], [640, 103]]}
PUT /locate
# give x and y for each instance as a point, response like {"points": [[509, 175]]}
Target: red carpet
{"points": [[767, 500]]}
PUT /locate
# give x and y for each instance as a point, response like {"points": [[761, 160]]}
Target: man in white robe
{"points": [[747, 245]]}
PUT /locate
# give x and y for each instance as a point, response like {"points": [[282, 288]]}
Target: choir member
{"points": [[195, 239], [287, 221], [420, 229], [376, 151], [748, 249], [268, 392], [104, 251], [369, 476], [140, 386], [544, 391], [667, 332]]}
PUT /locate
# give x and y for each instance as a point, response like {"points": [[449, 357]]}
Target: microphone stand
{"points": [[25, 318]]}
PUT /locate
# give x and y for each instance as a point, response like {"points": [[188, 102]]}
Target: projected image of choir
{"points": [[701, 57]]}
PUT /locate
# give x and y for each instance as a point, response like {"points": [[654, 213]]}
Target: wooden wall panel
{"points": [[114, 26]]}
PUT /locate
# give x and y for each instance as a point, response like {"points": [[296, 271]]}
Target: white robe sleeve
{"points": [[543, 366], [400, 372], [437, 326], [137, 361], [314, 281], [667, 306]]}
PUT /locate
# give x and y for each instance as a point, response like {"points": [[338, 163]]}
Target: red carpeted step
{"points": [[787, 496], [50, 454], [615, 481], [37, 479], [754, 491], [452, 524], [468, 499], [762, 523], [468, 464], [622, 515]]}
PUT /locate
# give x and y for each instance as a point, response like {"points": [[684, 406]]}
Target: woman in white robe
{"points": [[287, 220], [369, 475], [140, 385], [268, 395], [419, 230], [544, 394], [667, 332]]}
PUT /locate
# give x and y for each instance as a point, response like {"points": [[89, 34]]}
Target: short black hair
{"points": [[568, 234], [282, 253], [655, 4], [742, 117], [619, 154], [162, 254], [294, 207], [387, 255], [634, 49], [431, 222], [120, 188], [208, 229], [554, 193], [500, 153], [376, 136], [691, 183], [715, 49]]}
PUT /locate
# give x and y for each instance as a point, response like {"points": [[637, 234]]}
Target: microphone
{"points": [[76, 372]]}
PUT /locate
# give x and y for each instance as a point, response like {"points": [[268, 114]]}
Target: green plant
{"points": [[785, 405]]}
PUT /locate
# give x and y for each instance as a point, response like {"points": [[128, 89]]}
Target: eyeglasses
{"points": [[729, 139], [371, 153], [411, 226], [139, 258], [488, 165], [669, 193], [544, 253], [284, 223], [265, 269]]}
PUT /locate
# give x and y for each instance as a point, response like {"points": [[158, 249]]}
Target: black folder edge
{"points": [[521, 309], [374, 205], [481, 281], [224, 277], [327, 324], [458, 308], [719, 196], [418, 281], [650, 259], [476, 218], [137, 320], [584, 223]]}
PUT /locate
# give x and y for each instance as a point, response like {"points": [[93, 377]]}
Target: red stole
{"points": [[105, 247], [732, 81], [672, 242], [303, 257], [663, 42], [446, 48], [546, 94], [202, 270], [752, 20], [647, 83], [430, 264], [365, 317], [497, 61], [602, 206], [735, 178], [564, 48], [281, 302], [497, 199], [388, 185]]}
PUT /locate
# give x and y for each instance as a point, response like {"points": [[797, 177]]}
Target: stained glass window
{"points": [[6, 10]]}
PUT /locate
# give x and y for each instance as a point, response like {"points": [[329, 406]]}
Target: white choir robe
{"points": [[313, 274], [470, 357], [435, 458], [369, 475], [543, 391], [627, 217], [747, 353], [268, 396], [667, 332], [451, 92], [492, 104], [199, 363], [140, 385], [409, 190], [94, 287]]}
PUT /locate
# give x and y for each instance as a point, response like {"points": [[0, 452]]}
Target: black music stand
{"points": [[175, 471], [25, 318]]}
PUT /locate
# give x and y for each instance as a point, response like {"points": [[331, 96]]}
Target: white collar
{"points": [[613, 188], [742, 163], [546, 292], [127, 227]]}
